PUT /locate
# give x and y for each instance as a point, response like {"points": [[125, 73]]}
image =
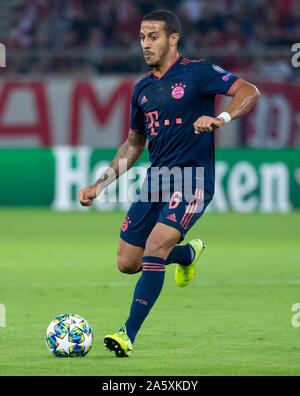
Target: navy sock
{"points": [[146, 292], [183, 255]]}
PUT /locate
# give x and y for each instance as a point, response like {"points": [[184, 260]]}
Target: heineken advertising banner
{"points": [[246, 179]]}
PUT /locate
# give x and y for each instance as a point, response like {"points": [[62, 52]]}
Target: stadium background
{"points": [[64, 109], [71, 68]]}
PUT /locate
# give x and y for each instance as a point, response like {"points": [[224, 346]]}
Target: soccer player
{"points": [[173, 107]]}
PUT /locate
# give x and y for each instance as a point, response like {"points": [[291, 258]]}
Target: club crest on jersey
{"points": [[125, 224], [178, 90]]}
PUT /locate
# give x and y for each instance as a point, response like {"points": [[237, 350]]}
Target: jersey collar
{"points": [[174, 63]]}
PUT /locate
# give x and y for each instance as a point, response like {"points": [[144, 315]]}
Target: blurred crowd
{"points": [[84, 29]]}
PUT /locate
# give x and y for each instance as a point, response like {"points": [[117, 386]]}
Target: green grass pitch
{"points": [[233, 319]]}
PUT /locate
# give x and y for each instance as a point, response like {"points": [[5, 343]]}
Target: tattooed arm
{"points": [[126, 156]]}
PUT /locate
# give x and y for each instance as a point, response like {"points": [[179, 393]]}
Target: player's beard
{"points": [[156, 63]]}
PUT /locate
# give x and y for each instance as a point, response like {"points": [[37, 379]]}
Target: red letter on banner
{"points": [[84, 91], [42, 127]]}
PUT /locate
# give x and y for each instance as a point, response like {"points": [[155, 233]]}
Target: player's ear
{"points": [[174, 38]]}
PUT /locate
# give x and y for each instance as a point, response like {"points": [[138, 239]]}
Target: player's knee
{"points": [[126, 266], [123, 264]]}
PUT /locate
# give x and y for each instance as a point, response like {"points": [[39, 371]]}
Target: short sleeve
{"points": [[215, 80], [137, 118]]}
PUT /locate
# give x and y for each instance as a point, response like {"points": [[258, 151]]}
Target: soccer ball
{"points": [[69, 335]]}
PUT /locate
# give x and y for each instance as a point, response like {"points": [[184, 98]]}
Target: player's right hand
{"points": [[208, 124], [86, 195]]}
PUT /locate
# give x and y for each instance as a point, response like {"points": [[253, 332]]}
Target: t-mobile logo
{"points": [[2, 55]]}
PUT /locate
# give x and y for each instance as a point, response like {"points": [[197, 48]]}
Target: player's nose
{"points": [[146, 44]]}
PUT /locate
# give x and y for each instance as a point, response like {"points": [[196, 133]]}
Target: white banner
{"points": [[62, 111], [65, 112]]}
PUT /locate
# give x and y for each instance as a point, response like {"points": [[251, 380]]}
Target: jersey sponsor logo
{"points": [[218, 69], [178, 90], [152, 119]]}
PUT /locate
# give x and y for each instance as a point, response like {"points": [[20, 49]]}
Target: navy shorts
{"points": [[177, 213]]}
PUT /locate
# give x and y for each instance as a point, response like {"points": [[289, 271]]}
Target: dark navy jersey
{"points": [[166, 108]]}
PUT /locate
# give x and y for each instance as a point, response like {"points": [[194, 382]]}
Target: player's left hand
{"points": [[208, 124]]}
